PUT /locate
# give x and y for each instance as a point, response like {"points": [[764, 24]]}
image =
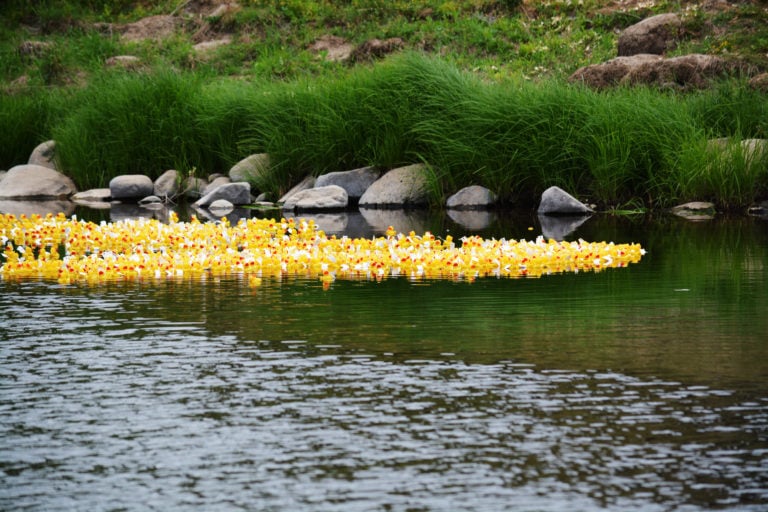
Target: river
{"points": [[643, 388]]}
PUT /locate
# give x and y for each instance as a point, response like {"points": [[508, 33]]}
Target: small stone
{"points": [[473, 197], [131, 186], [556, 201], [220, 205], [150, 200], [695, 210]]}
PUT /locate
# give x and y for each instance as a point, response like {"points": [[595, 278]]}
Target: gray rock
{"points": [[250, 168], [233, 216], [473, 197], [35, 181], [216, 183], [355, 182], [44, 155], [236, 193], [695, 210], [150, 200], [96, 198], [94, 194], [308, 182], [401, 187], [167, 185], [331, 197], [221, 205], [556, 201], [193, 187], [557, 228], [131, 187], [655, 35]]}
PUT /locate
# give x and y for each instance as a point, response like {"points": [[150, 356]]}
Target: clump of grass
{"points": [[141, 124], [517, 138], [25, 121], [364, 119], [731, 172]]}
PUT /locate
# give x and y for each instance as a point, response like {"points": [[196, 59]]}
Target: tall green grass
{"points": [[135, 124], [515, 137], [27, 120]]}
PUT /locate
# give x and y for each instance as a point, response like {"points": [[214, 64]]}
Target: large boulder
{"points": [[655, 35], [44, 155], [355, 182], [131, 187], [331, 197], [236, 193], [693, 71], [36, 181], [250, 168], [473, 197], [556, 201], [401, 187], [611, 73]]}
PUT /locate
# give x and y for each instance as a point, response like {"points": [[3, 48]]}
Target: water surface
{"points": [[643, 388]]}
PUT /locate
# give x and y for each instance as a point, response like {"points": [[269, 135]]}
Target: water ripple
{"points": [[98, 411]]}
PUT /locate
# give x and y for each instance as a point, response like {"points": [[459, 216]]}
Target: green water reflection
{"points": [[695, 309]]}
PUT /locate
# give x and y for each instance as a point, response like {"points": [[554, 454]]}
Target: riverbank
{"points": [[514, 133]]}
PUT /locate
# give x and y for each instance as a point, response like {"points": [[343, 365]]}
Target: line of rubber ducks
{"points": [[68, 250]]}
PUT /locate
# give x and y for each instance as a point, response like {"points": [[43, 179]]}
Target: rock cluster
{"points": [[368, 189], [641, 60]]}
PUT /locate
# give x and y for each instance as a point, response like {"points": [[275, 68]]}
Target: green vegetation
{"points": [[478, 93]]}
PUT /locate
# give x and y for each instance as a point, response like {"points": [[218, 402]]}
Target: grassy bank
{"points": [[487, 110]]}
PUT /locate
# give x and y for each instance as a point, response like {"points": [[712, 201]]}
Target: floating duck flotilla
{"points": [[68, 250]]}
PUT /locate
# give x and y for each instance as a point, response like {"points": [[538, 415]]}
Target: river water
{"points": [[644, 388]]}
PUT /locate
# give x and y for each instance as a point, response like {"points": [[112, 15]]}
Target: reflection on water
{"points": [[644, 388]]}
